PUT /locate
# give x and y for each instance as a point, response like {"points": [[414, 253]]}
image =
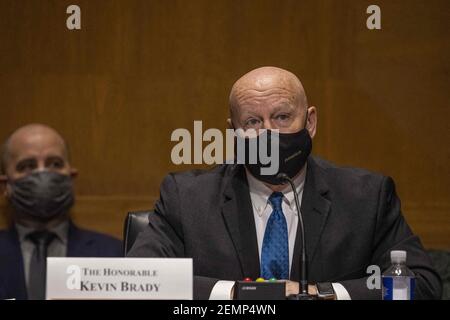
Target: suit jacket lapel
{"points": [[77, 244], [237, 212], [315, 207], [14, 260]]}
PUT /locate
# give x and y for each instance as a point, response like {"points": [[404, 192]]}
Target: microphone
{"points": [[303, 295]]}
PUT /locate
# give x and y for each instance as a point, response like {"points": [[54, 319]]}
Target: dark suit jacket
{"points": [[352, 220], [80, 243]]}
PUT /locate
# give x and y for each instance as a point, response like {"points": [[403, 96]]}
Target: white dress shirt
{"points": [[262, 209]]}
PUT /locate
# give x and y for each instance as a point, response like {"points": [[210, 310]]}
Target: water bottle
{"points": [[398, 280]]}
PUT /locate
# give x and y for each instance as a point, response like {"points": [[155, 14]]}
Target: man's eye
{"points": [[56, 165], [282, 117], [252, 122], [25, 167]]}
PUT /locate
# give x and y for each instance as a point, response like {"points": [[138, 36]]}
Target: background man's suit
{"points": [[352, 220], [80, 243]]}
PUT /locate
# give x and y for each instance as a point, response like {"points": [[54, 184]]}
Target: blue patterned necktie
{"points": [[275, 248]]}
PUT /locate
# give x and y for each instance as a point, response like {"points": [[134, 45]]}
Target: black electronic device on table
{"points": [[260, 290]]}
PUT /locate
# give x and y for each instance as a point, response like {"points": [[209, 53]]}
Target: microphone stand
{"points": [[303, 294]]}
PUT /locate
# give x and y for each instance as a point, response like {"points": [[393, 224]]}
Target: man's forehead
{"points": [[262, 84], [267, 85], [37, 144], [274, 93], [267, 102], [271, 99]]}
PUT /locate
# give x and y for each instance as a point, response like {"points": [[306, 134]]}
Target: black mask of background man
{"points": [[294, 149], [42, 194]]}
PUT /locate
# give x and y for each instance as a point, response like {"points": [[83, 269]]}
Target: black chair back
{"points": [[135, 222]]}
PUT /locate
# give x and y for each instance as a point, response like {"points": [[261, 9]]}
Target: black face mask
{"points": [[294, 149], [42, 195]]}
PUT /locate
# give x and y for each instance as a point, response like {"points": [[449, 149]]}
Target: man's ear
{"points": [[230, 124], [3, 183], [73, 173], [311, 123]]}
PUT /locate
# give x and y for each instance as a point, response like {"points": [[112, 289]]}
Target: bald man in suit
{"points": [[230, 219], [37, 181]]}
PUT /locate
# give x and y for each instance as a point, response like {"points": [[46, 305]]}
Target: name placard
{"points": [[119, 278]]}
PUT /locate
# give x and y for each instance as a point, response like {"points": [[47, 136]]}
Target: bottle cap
{"points": [[398, 256]]}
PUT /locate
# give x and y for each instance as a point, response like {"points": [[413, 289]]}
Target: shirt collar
{"points": [[260, 193], [61, 230]]}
